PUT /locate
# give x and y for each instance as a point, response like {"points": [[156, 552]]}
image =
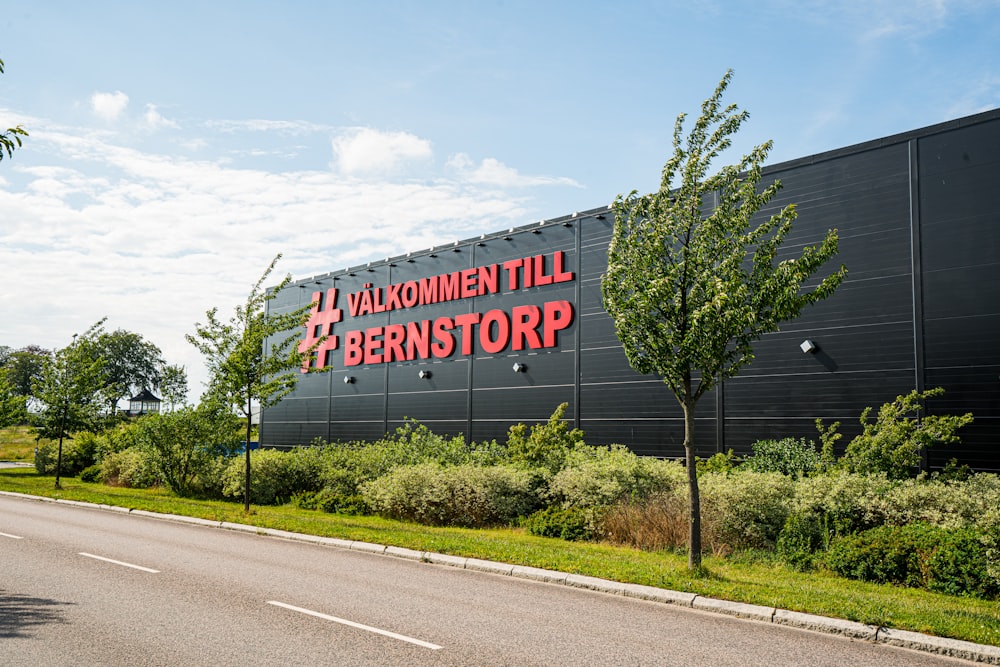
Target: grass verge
{"points": [[17, 443], [760, 581]]}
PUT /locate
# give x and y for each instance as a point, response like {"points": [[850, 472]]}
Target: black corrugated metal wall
{"points": [[919, 227]]}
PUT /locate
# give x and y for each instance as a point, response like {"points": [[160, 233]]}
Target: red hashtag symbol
{"points": [[322, 317]]}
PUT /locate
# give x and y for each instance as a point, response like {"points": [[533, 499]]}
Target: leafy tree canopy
{"points": [[10, 139], [131, 364], [694, 277]]}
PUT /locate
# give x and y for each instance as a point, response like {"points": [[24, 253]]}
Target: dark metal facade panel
{"points": [[919, 231]]}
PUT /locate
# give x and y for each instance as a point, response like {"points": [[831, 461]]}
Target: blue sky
{"points": [[176, 147]]}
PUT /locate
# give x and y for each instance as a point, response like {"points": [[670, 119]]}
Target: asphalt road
{"points": [[88, 587]]}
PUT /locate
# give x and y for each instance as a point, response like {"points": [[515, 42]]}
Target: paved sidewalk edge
{"points": [[982, 653]]}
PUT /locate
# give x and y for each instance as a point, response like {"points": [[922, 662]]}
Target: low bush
{"points": [[950, 504], [951, 561], [275, 476], [746, 510], [132, 468], [465, 495], [794, 457], [844, 503], [802, 536], [79, 452], [346, 466], [598, 477], [568, 524], [91, 473], [330, 501]]}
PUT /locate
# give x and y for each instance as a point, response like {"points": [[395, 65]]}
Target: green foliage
{"points": [[330, 501], [78, 453], [598, 477], [345, 466], [174, 385], [91, 473], [951, 561], [941, 502], [746, 510], [464, 495], [70, 387], [132, 468], [275, 476], [719, 462], [844, 503], [565, 523], [788, 456], [185, 443], [543, 445], [11, 138], [13, 406], [828, 438], [800, 538], [892, 444], [130, 364]]}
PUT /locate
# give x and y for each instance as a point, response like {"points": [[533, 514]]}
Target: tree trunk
{"points": [[694, 498], [246, 483]]}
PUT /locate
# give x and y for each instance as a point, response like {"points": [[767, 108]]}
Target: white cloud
{"points": [[109, 106], [493, 172], [155, 121], [367, 151], [93, 228]]}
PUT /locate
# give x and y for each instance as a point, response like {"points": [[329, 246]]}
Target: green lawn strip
{"points": [[765, 583], [17, 443]]}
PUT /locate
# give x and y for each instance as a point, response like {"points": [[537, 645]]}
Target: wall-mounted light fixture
{"points": [[519, 367], [423, 375], [348, 379], [808, 346]]}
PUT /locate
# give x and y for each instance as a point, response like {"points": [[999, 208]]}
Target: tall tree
{"points": [[254, 358], [131, 364], [10, 139], [693, 278], [13, 408], [173, 385], [70, 390], [25, 367]]}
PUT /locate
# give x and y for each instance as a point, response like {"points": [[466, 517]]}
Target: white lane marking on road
{"points": [[118, 562], [13, 537], [359, 626]]}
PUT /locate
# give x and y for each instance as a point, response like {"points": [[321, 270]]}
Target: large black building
{"points": [[473, 337]]}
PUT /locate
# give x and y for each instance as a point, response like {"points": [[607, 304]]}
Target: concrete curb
{"points": [[981, 653]]}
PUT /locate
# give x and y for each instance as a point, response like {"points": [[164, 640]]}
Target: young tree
{"points": [[255, 357], [692, 281], [70, 391], [10, 139]]}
